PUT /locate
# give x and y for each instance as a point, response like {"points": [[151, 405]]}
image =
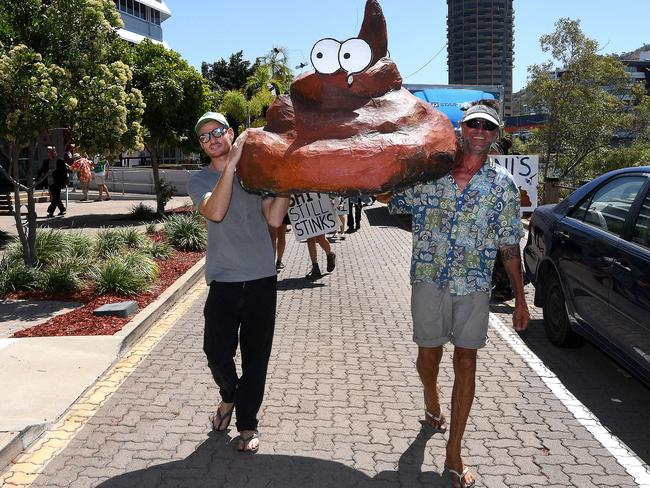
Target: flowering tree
{"points": [[56, 71], [176, 95]]}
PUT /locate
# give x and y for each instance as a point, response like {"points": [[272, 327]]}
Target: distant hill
{"points": [[635, 54]]}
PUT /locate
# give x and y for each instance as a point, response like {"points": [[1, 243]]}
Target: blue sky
{"points": [[206, 30]]}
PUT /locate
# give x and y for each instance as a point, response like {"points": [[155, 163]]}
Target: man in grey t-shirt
{"points": [[240, 270]]}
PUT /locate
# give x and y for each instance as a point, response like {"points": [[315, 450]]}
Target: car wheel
{"points": [[556, 320]]}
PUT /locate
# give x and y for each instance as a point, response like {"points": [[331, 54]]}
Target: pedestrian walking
{"points": [[57, 179], [341, 207], [354, 214], [240, 308], [83, 168], [279, 241], [315, 272], [100, 175], [460, 222]]}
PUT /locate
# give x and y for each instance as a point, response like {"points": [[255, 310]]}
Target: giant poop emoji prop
{"points": [[349, 127]]}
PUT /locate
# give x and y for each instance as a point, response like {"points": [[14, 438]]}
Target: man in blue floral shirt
{"points": [[460, 222]]}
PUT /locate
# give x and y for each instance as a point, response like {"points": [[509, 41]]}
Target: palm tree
{"points": [[277, 64], [259, 80]]}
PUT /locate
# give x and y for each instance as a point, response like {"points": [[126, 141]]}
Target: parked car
{"points": [[589, 260]]}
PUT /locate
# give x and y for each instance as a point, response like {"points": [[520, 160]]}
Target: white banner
{"points": [[311, 214], [523, 168]]}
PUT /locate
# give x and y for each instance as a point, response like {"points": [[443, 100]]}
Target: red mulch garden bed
{"points": [[81, 321]]}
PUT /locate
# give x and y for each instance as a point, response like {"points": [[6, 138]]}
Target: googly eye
{"points": [[355, 55], [325, 56]]}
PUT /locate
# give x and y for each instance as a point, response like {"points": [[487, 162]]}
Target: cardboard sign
{"points": [[311, 214], [523, 168]]}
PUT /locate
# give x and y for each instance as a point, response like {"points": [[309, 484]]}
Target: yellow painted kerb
{"points": [[33, 460]]}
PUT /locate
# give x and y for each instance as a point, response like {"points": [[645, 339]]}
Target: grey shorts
{"points": [[440, 317]]}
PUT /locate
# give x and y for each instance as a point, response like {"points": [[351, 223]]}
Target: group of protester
{"points": [[56, 173], [461, 222], [347, 212]]}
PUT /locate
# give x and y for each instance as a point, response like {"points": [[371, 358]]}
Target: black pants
{"points": [[244, 310], [354, 211], [56, 202]]}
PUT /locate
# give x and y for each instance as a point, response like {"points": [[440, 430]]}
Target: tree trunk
{"points": [[31, 203], [26, 233], [154, 150]]}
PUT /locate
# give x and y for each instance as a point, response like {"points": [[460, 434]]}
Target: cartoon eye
{"points": [[325, 56], [355, 55]]}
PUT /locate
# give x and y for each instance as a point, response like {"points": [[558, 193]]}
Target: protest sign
{"points": [[523, 168], [311, 214]]}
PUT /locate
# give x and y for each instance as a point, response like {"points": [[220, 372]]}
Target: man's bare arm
{"points": [[215, 207], [512, 263]]}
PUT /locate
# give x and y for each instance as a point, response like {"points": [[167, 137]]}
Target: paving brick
{"points": [[342, 403]]}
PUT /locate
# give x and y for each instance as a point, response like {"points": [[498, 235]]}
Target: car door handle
{"points": [[622, 264], [564, 234]]}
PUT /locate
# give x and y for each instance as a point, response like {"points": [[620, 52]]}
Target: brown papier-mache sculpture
{"points": [[350, 127]]}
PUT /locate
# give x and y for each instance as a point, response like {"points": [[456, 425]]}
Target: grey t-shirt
{"points": [[239, 247]]}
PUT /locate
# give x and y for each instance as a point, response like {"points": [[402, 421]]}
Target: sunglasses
{"points": [[481, 124], [217, 133]]}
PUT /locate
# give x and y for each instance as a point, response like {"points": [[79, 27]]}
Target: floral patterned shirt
{"points": [[83, 167], [456, 234]]}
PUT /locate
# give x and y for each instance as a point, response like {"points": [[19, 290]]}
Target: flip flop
{"points": [[243, 442], [220, 418], [461, 477], [440, 421]]}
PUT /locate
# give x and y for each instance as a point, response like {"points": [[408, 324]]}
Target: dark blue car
{"points": [[589, 260]]}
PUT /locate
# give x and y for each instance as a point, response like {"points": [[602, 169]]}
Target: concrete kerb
{"points": [[13, 443]]}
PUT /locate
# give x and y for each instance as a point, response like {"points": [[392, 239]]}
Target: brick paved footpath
{"points": [[342, 405]]}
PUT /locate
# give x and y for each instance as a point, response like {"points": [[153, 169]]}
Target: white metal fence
{"points": [[140, 180]]}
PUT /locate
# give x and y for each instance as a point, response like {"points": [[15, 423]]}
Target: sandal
{"points": [[461, 477], [220, 419], [244, 441], [440, 423]]}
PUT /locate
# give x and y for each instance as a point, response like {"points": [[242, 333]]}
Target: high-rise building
{"points": [[142, 19], [480, 44]]}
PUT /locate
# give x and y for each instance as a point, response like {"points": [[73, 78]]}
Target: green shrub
{"points": [[186, 232], [50, 245], [167, 191], [109, 241], [143, 264], [63, 277], [159, 249], [16, 276], [150, 228], [127, 275], [143, 212], [133, 238], [81, 246]]}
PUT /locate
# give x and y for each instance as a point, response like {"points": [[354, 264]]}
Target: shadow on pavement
{"points": [[91, 221], [216, 463], [611, 393], [379, 216], [5, 238], [298, 284], [27, 311]]}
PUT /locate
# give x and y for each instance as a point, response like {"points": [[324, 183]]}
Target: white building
{"points": [[142, 19]]}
